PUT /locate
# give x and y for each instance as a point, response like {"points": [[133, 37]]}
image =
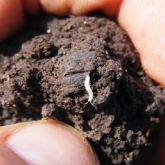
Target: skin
{"points": [[140, 18]]}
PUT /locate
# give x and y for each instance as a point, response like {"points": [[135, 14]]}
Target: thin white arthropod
{"points": [[88, 88]]}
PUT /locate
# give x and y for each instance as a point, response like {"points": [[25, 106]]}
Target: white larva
{"points": [[88, 88]]}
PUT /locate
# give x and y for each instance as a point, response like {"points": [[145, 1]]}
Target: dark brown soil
{"points": [[43, 71]]}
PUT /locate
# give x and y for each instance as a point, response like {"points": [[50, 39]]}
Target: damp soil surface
{"points": [[86, 72]]}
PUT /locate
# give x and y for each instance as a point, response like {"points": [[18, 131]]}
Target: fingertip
{"points": [[8, 130], [112, 8], [146, 30], [80, 7], [51, 142], [11, 17], [58, 7], [154, 65], [31, 6]]}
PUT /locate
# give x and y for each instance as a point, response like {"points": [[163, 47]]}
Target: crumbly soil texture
{"points": [[55, 65]]}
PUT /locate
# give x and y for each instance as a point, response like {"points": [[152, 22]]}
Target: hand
{"points": [[45, 142], [143, 21]]}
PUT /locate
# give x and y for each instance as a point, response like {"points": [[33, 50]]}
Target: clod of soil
{"points": [[44, 70]]}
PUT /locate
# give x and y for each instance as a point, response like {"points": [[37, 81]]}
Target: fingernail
{"points": [[51, 144]]}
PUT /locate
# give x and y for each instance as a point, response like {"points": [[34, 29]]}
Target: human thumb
{"points": [[50, 142]]}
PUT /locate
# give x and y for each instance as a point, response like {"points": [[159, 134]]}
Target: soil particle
{"points": [[43, 70]]}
